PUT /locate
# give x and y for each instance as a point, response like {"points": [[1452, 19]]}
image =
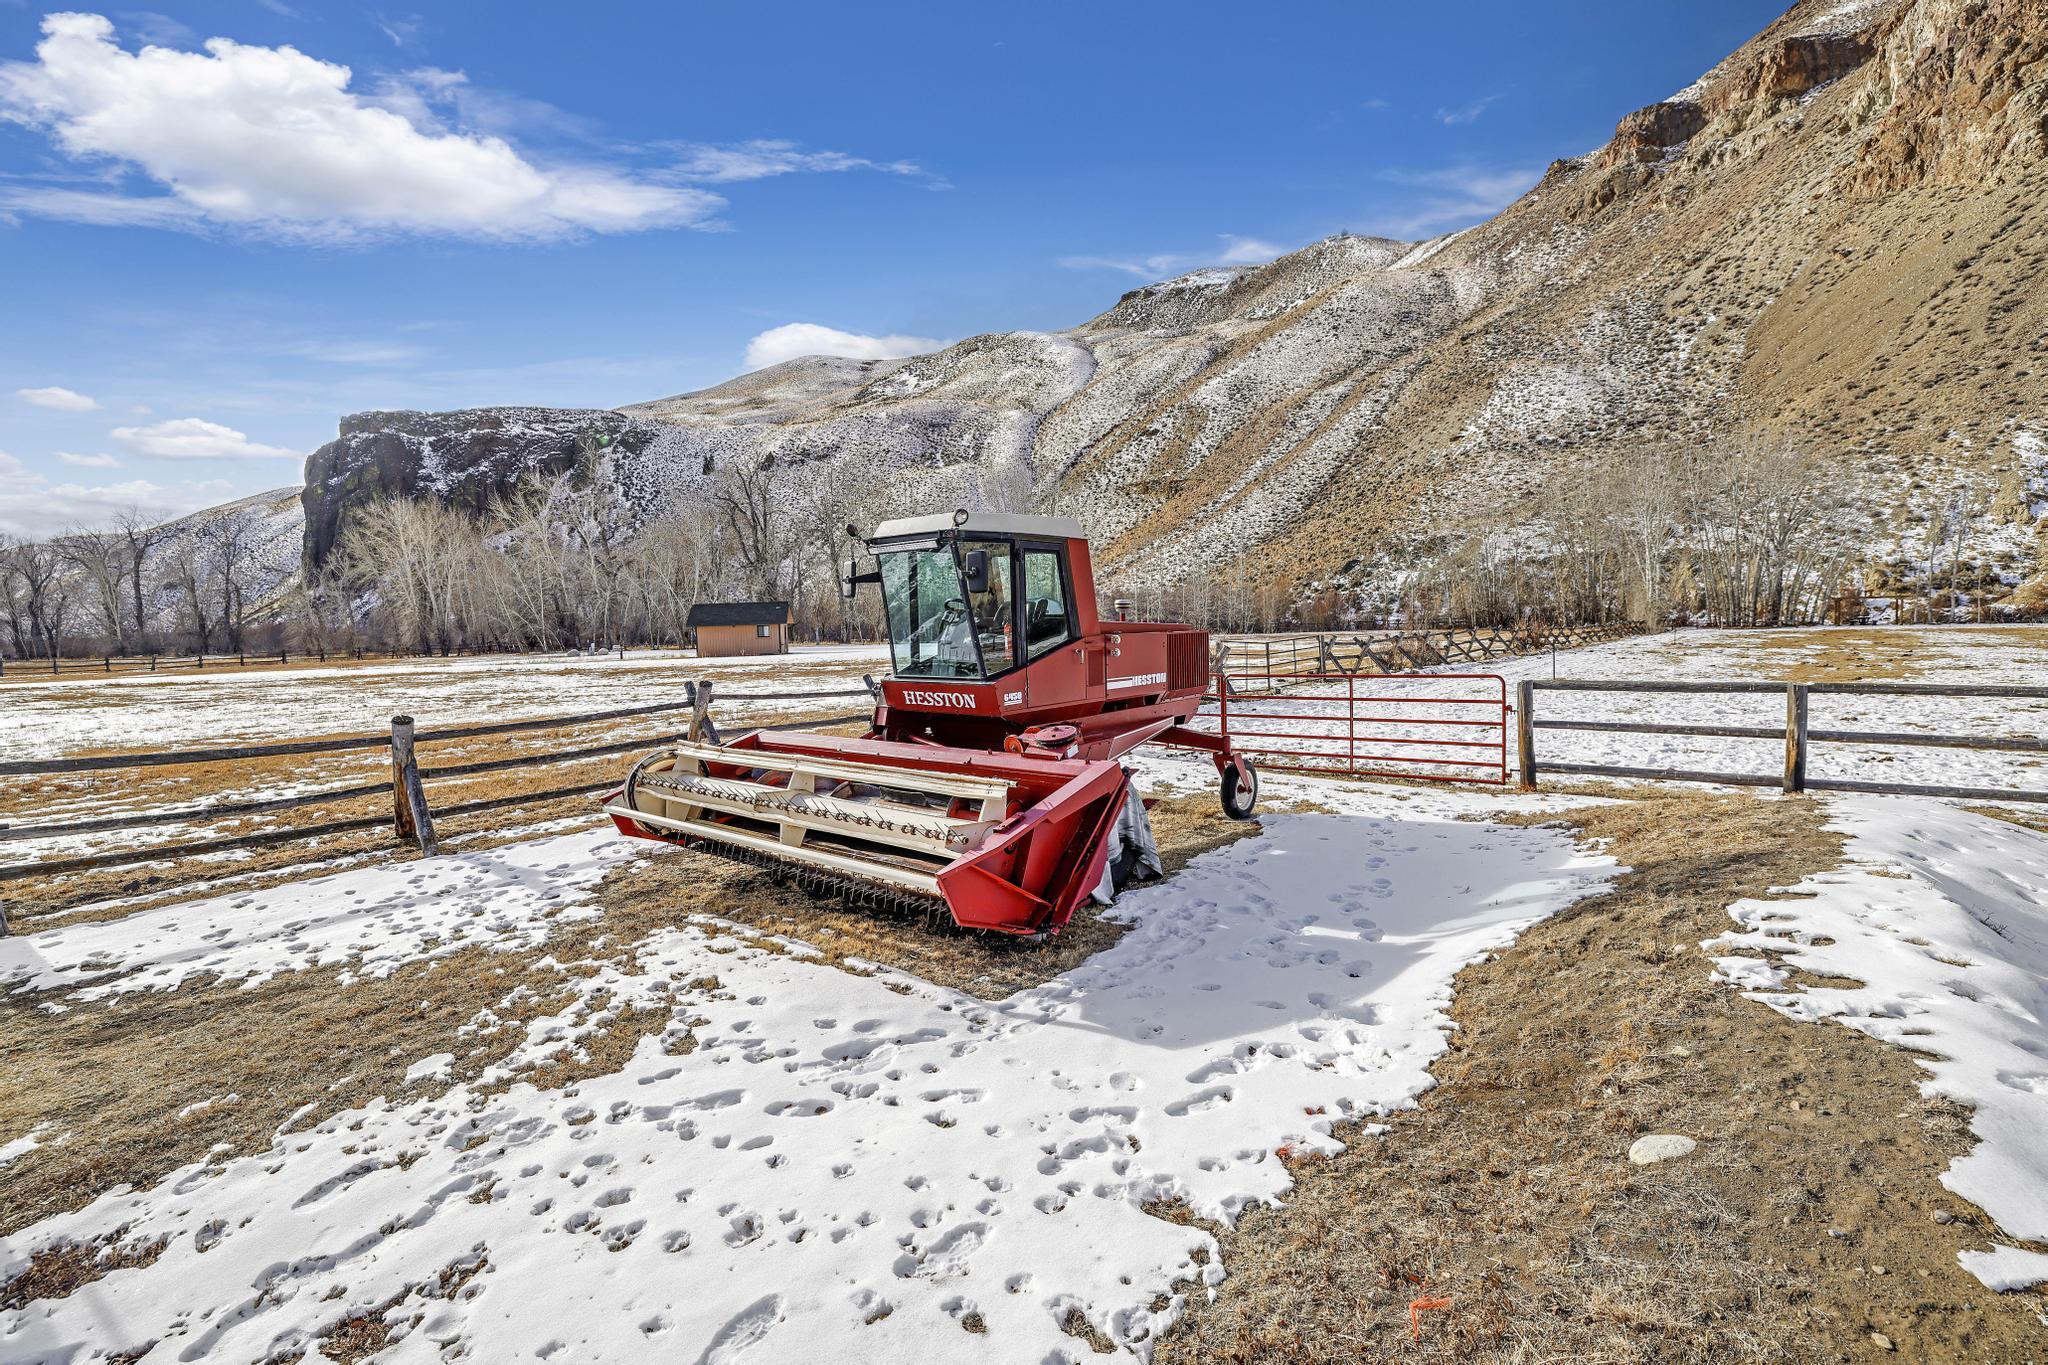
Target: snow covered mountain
{"points": [[1833, 239]]}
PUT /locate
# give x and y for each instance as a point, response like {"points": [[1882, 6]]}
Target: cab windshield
{"points": [[936, 628]]}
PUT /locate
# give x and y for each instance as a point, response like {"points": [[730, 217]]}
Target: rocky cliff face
{"points": [[466, 458], [1833, 238]]}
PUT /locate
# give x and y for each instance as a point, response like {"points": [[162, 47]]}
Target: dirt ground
{"points": [[1802, 1228]]}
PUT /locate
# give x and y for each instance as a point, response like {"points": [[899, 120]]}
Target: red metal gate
{"points": [[1438, 727]]}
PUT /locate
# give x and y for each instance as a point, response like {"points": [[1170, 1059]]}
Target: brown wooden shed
{"points": [[728, 628]]}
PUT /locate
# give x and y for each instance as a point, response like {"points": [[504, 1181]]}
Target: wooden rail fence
{"points": [[1268, 665], [411, 816], [1797, 735]]}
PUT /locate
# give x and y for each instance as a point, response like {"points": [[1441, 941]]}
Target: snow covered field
{"points": [[1954, 655], [809, 1162], [161, 710], [847, 1166]]}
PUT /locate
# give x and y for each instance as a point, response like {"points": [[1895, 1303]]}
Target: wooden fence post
{"points": [[701, 726], [410, 815], [1525, 732], [1795, 737]]}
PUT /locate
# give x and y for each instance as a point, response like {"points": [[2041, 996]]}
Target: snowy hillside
{"points": [[1777, 254]]}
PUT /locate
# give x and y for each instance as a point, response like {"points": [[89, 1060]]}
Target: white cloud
{"points": [[101, 461], [795, 339], [30, 505], [1466, 113], [193, 438], [274, 141], [403, 31], [158, 30], [359, 352], [1248, 251], [58, 399], [762, 158], [429, 96], [1454, 197], [1234, 250]]}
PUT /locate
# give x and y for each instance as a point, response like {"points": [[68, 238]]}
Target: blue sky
{"points": [[209, 252]]}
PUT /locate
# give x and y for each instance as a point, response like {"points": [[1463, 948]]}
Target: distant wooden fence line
{"points": [[411, 818], [1248, 665], [1797, 735], [165, 663]]}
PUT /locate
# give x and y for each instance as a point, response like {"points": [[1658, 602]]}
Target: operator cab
{"points": [[976, 595]]}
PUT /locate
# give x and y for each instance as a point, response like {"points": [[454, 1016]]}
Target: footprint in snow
{"points": [[1201, 1099], [743, 1331]]}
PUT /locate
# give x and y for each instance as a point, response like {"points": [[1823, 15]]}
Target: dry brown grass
{"points": [[1508, 1190], [59, 1271]]}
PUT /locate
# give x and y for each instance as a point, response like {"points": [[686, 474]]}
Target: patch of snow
{"points": [[21, 1146], [1845, 16], [1423, 251], [211, 1102], [1942, 916], [164, 710], [370, 919], [1211, 277], [430, 1068]]}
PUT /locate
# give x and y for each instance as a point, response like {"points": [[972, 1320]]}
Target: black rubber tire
{"points": [[1238, 799]]}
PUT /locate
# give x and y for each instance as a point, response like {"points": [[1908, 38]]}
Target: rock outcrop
{"points": [[465, 458]]}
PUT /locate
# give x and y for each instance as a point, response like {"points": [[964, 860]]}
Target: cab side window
{"points": [[1046, 625], [991, 609]]}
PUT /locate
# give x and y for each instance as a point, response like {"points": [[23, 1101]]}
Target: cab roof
{"points": [[989, 523]]}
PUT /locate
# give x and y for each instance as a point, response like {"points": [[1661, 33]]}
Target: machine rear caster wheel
{"points": [[1240, 795]]}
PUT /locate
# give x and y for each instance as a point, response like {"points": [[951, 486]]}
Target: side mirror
{"points": [[976, 564], [848, 587]]}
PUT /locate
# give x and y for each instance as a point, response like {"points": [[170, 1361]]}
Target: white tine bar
{"points": [[838, 862], [875, 774], [928, 831]]}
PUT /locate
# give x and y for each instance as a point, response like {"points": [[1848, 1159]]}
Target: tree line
{"points": [[139, 586], [1754, 535]]}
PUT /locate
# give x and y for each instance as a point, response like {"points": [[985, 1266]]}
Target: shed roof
{"points": [[739, 614]]}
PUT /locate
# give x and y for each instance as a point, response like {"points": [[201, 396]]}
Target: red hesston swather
{"points": [[988, 783]]}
